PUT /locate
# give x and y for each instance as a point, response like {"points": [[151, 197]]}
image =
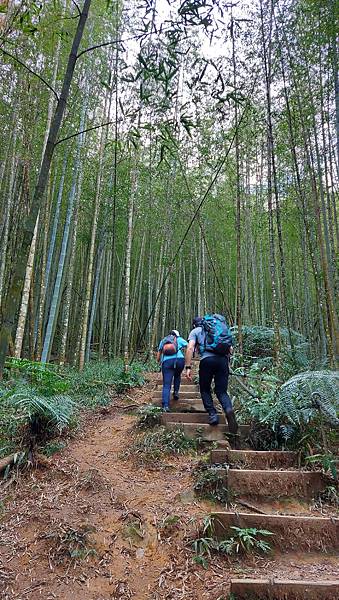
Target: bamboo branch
{"points": [[117, 41], [77, 7], [83, 131], [30, 71]]}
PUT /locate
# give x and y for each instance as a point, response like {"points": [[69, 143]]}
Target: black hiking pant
{"points": [[216, 367]]}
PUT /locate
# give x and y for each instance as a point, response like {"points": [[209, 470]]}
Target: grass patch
{"points": [[69, 544], [53, 447], [151, 446], [92, 385], [209, 484]]}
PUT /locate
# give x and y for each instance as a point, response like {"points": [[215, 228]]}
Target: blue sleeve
{"points": [[193, 336], [161, 345]]}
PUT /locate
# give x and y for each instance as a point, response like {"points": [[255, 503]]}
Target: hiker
{"points": [[213, 340], [171, 357]]}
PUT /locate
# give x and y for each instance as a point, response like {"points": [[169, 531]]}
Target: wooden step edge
{"points": [[290, 532], [280, 589]]}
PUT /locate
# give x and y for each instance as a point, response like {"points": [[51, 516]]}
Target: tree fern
{"points": [[56, 410], [306, 393], [326, 408]]}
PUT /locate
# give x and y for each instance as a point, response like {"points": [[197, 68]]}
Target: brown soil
{"points": [[128, 526]]}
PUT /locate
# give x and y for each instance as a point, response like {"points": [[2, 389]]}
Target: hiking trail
{"points": [[96, 524]]}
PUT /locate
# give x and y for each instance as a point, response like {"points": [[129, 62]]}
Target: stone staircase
{"points": [[273, 477], [189, 414], [264, 478]]}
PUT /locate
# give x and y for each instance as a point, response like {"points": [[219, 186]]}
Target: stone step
{"points": [[253, 459], [275, 589], [274, 484], [192, 395], [291, 533], [194, 405], [188, 388], [185, 382], [180, 418], [205, 432]]}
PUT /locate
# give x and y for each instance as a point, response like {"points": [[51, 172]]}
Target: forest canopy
{"points": [[163, 159]]}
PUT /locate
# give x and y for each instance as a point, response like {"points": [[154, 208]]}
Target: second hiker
{"points": [[170, 355], [212, 338]]}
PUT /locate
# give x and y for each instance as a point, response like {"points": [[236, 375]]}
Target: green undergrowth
{"points": [[297, 413], [150, 447], [39, 402], [149, 416], [327, 462], [258, 344]]}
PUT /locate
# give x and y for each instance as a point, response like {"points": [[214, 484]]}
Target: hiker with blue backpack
{"points": [[171, 357], [212, 338]]}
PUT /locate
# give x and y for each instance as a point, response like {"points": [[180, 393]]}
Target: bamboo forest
{"points": [[169, 199]]}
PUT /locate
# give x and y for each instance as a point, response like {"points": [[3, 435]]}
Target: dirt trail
{"points": [[133, 522]]}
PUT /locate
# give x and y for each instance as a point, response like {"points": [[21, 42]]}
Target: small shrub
{"points": [[258, 341], [44, 415], [263, 437], [330, 496], [244, 540], [300, 412], [133, 529], [169, 525]]}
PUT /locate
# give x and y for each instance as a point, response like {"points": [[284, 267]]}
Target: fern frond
{"points": [[326, 408], [57, 409]]}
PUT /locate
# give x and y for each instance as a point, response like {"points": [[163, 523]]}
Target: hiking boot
{"points": [[176, 397], [232, 423], [213, 420], [166, 409]]}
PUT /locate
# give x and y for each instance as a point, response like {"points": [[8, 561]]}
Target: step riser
{"points": [[274, 484], [242, 430], [159, 381], [183, 395], [183, 405], [280, 590], [188, 388], [206, 432], [250, 459], [290, 533], [188, 418]]}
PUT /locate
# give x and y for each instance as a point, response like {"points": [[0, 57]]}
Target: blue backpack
{"points": [[218, 338]]}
